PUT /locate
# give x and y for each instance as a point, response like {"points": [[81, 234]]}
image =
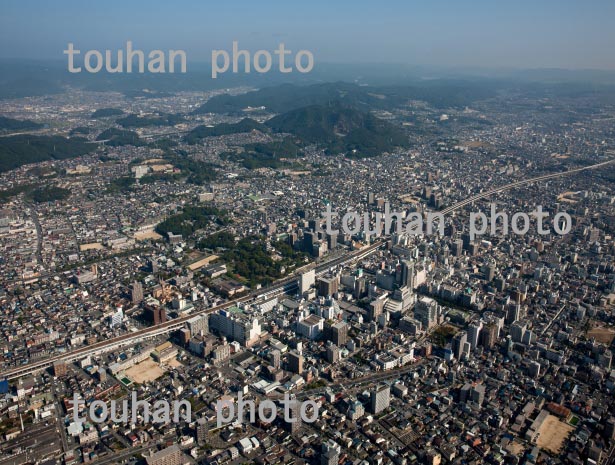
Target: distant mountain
{"points": [[20, 78], [16, 151], [286, 97], [341, 129], [245, 125], [10, 124]]}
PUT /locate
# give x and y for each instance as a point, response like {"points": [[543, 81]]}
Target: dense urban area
{"points": [[172, 247]]}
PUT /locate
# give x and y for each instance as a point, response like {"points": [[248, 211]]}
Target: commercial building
{"points": [[306, 280], [426, 311], [380, 398], [236, 325], [170, 456], [295, 362]]}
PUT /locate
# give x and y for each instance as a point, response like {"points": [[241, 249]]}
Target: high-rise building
{"points": [[295, 362], [499, 283], [355, 410], [489, 335], [136, 293], [86, 276], [184, 336], [59, 368], [339, 333], [202, 430], [309, 239], [477, 394], [517, 331], [102, 375], [306, 280], [156, 314], [198, 325], [327, 286], [407, 274], [275, 356], [294, 410], [330, 454], [489, 270], [433, 457], [375, 309], [117, 318], [221, 353], [466, 240], [380, 398], [311, 327], [534, 369], [474, 330], [331, 241], [513, 313], [237, 325], [401, 300], [459, 341], [426, 311], [360, 287], [333, 353], [464, 392], [470, 393], [458, 248]]}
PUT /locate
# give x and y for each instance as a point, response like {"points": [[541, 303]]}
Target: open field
{"points": [[92, 246], [602, 334], [173, 363], [144, 372], [202, 262], [564, 197], [474, 144], [145, 235], [515, 448], [552, 434]]}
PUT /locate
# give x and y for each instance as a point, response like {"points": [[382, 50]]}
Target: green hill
{"points": [[106, 112], [16, 151], [266, 155], [10, 124], [287, 97], [341, 130], [114, 137], [135, 121], [245, 125]]}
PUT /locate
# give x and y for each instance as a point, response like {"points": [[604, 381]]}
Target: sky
{"points": [[522, 34]]}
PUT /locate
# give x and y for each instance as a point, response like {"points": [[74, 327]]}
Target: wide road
{"points": [[278, 288], [523, 182]]}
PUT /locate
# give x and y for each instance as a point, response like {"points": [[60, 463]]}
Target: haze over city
{"points": [[394, 247], [461, 34]]}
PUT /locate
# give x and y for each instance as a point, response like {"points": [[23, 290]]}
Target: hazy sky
{"points": [[455, 33]]}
